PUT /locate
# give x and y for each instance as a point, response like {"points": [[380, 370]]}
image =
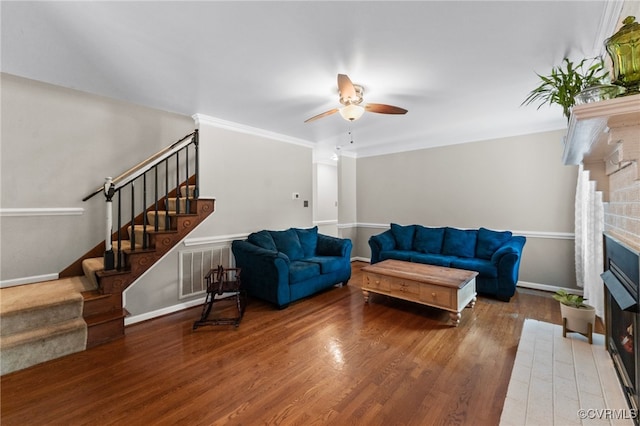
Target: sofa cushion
{"points": [[397, 254], [459, 242], [403, 235], [308, 240], [432, 259], [327, 263], [300, 270], [484, 267], [489, 241], [262, 239], [428, 240], [288, 243]]}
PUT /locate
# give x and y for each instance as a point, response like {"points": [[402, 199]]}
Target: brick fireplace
{"points": [[622, 212], [605, 137]]}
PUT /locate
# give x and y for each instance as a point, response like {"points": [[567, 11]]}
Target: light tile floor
{"points": [[563, 381]]}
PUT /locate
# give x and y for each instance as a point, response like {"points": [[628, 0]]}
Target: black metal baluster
{"points": [[155, 197], [178, 182], [187, 202], [144, 211], [120, 254], [166, 194], [133, 218]]}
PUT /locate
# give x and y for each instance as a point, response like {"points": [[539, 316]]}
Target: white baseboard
{"points": [[547, 287], [28, 280], [164, 311]]}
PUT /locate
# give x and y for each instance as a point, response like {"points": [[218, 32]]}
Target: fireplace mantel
{"points": [[605, 137]]}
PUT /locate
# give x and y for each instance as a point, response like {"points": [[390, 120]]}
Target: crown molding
{"points": [[608, 25], [202, 119]]}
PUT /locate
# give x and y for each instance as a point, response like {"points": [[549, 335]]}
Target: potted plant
{"points": [[565, 82], [576, 315]]}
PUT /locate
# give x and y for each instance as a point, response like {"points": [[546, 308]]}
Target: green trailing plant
{"points": [[573, 300], [566, 81]]}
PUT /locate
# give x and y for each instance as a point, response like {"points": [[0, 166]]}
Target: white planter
{"points": [[578, 319]]}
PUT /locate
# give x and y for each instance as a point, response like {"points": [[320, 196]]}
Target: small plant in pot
{"points": [[566, 81], [577, 316]]}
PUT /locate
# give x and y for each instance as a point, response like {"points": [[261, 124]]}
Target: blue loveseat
{"points": [[495, 255], [284, 266]]}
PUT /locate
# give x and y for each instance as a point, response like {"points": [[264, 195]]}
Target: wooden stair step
{"points": [[105, 327]]}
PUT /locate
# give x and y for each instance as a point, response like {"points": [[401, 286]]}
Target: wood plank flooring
{"points": [[329, 359]]}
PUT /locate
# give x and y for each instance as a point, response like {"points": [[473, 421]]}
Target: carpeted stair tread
{"points": [[15, 339], [22, 350], [25, 297], [162, 219], [124, 245], [91, 266], [187, 190]]}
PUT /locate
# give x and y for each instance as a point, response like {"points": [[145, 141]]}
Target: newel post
{"points": [[109, 190]]}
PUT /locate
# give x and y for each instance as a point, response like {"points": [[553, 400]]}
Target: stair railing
{"points": [[165, 168]]}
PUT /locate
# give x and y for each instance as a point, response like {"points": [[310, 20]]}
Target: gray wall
{"points": [[516, 183], [252, 178], [58, 145]]}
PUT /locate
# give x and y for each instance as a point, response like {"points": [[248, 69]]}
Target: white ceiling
{"points": [[461, 68]]}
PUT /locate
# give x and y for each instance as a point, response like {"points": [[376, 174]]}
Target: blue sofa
{"points": [[494, 255], [284, 266]]}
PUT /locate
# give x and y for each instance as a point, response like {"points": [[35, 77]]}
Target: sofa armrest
{"points": [[381, 242], [332, 246], [507, 259], [264, 273]]}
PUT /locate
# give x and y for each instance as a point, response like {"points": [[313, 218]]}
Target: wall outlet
{"points": [[295, 196]]}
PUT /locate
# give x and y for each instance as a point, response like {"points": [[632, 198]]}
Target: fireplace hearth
{"points": [[622, 324]]}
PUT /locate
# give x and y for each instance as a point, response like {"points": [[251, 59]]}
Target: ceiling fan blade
{"points": [[347, 91], [385, 109], [324, 114]]}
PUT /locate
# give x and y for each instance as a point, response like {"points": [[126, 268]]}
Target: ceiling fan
{"points": [[351, 98]]}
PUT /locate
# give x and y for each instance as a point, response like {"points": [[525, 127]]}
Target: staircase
{"points": [[103, 311], [83, 309]]}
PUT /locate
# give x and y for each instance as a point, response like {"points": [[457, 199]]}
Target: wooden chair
{"points": [[222, 281]]}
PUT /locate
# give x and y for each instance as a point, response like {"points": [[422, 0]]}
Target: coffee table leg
{"points": [[455, 318], [365, 293]]}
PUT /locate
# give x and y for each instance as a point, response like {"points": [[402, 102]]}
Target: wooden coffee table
{"points": [[445, 288]]}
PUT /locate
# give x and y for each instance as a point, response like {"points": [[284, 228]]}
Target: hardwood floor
{"points": [[329, 359]]}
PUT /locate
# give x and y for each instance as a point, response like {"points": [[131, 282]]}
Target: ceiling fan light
{"points": [[351, 112]]}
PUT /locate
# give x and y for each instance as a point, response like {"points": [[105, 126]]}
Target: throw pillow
{"points": [[308, 240], [460, 242], [288, 243], [489, 241], [403, 236], [262, 239], [428, 240]]}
